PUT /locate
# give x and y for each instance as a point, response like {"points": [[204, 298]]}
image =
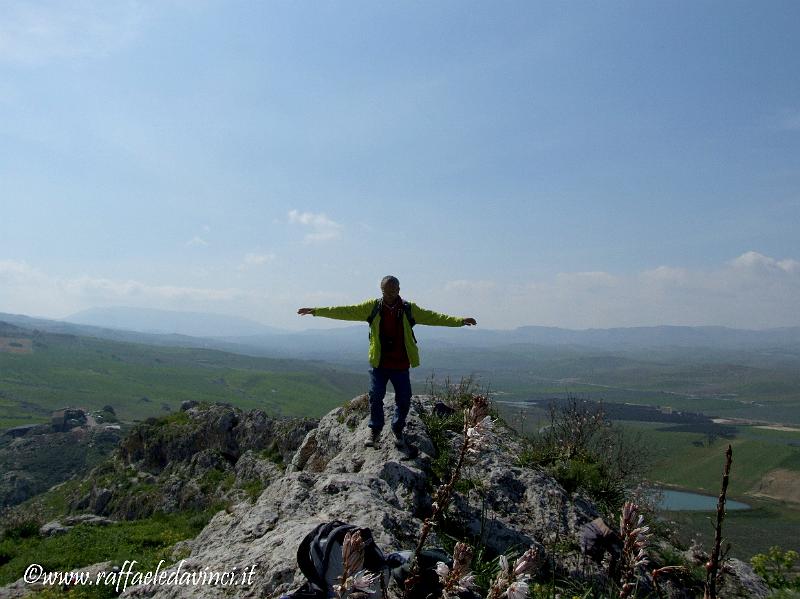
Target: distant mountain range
{"points": [[170, 322], [241, 335]]}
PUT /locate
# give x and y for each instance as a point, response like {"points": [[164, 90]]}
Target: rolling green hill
{"points": [[725, 384], [143, 380]]}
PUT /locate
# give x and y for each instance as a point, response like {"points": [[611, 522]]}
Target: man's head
{"points": [[390, 287]]}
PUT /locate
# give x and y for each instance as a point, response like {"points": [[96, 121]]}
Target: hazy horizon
{"points": [[314, 324], [546, 164]]}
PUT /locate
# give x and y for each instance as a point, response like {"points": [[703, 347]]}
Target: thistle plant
{"points": [[635, 538], [354, 579]]}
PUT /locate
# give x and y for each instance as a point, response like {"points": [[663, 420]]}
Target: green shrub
{"points": [[584, 451], [253, 488], [776, 567], [457, 396], [214, 479]]}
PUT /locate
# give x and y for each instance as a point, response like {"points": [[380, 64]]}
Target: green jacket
{"points": [[362, 312]]}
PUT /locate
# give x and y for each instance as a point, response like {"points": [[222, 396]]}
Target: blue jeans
{"points": [[378, 378]]}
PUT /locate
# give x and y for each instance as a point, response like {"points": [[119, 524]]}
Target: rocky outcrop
{"points": [[192, 459], [32, 463], [55, 527], [160, 444], [333, 476], [739, 580], [65, 420]]}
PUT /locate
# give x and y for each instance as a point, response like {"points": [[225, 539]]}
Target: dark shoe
{"points": [[374, 439]]}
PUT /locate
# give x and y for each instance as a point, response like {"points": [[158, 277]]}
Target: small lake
{"points": [[679, 501]]}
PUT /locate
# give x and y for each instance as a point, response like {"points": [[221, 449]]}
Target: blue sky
{"points": [[569, 164]]}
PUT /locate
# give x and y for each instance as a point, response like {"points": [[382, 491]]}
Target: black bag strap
{"points": [[310, 558], [306, 563], [409, 315], [410, 318], [374, 558], [375, 309], [335, 536]]}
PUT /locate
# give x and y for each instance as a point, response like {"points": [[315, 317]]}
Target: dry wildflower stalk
{"points": [[477, 427], [512, 582], [634, 541], [712, 567], [354, 578], [459, 578]]}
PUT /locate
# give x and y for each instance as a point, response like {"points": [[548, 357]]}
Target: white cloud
{"points": [[469, 286], [110, 289], [196, 241], [321, 227], [252, 260], [753, 261], [751, 291], [258, 259], [36, 33], [665, 274], [14, 268], [27, 290]]}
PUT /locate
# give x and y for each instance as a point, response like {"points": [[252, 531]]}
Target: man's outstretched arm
{"points": [[354, 312], [431, 318]]}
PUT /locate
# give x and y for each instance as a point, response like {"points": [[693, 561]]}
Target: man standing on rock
{"points": [[392, 351]]}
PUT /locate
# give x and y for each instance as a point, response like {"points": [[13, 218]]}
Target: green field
{"points": [[144, 380], [687, 461], [693, 461], [681, 461], [748, 531], [744, 384]]}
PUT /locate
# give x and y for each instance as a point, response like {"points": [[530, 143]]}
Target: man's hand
{"points": [[469, 322], [304, 311]]}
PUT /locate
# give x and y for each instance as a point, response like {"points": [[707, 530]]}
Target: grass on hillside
{"points": [[146, 541], [687, 464], [686, 460], [748, 531], [141, 381], [731, 384]]}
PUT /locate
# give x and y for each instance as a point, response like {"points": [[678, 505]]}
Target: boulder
{"points": [[51, 529]]}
